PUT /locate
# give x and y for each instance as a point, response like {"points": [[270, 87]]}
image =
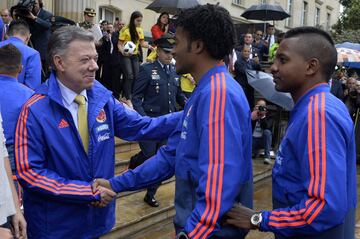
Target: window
{"points": [[237, 2], [263, 1], [106, 14], [328, 21], [289, 21], [317, 17], [304, 14]]}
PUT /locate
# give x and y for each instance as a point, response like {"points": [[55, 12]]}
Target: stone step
{"points": [[123, 152], [122, 146], [133, 215]]}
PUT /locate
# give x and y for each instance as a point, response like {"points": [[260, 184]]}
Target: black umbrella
{"points": [[265, 12], [172, 6]]}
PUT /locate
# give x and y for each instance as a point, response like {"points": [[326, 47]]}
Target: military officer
{"points": [[156, 92], [89, 14]]}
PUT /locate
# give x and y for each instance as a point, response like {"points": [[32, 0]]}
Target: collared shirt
{"points": [[7, 207], [68, 97], [162, 66]]}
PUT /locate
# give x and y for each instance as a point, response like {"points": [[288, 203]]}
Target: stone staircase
{"points": [[123, 152], [132, 214]]}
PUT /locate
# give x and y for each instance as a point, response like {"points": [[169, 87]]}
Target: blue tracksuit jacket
{"points": [[31, 72], [54, 169], [314, 176], [210, 154], [12, 97]]}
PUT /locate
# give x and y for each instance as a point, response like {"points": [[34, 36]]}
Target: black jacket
{"points": [[40, 32]]}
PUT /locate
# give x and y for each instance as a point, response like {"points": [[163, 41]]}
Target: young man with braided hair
{"points": [[210, 151]]}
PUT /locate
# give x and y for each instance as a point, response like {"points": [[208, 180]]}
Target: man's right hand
{"points": [[106, 194], [255, 115], [101, 182]]}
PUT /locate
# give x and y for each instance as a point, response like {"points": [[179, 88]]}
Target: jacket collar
{"points": [[204, 79], [318, 88], [98, 96], [7, 78], [15, 39]]}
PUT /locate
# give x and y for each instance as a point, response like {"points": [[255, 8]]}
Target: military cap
{"points": [[90, 12], [166, 42]]}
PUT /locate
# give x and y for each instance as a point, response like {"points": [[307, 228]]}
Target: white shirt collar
{"points": [[68, 94], [162, 65]]}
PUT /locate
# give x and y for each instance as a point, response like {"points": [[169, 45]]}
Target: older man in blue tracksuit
{"points": [[314, 176], [56, 163], [19, 36]]}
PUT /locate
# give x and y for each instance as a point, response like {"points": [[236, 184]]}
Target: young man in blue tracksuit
{"points": [[19, 35], [210, 151], [12, 96], [57, 160], [314, 176]]}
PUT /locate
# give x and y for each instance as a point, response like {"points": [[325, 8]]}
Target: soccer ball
{"points": [[129, 47]]}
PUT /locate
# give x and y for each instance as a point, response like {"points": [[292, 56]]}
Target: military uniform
{"points": [[156, 92], [86, 25], [91, 13]]}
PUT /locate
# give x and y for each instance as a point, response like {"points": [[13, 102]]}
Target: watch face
{"points": [[256, 219]]}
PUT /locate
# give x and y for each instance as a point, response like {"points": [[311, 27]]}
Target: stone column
{"points": [[73, 9]]}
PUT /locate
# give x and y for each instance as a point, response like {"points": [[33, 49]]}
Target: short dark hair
{"points": [[41, 4], [19, 26], [242, 47], [211, 24], [10, 59], [316, 43]]}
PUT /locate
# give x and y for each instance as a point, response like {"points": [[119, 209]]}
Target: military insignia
{"points": [[155, 77], [101, 118], [154, 72]]}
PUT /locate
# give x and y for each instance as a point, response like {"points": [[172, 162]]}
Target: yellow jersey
{"points": [[125, 36]]}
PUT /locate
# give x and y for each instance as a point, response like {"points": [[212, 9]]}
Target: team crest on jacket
{"points": [[101, 118]]}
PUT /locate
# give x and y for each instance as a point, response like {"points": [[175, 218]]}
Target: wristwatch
{"points": [[256, 219]]}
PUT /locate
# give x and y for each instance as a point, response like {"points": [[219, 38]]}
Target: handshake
{"points": [[103, 187]]}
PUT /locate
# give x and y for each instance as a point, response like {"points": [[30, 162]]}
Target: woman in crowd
{"points": [[161, 26], [133, 32]]}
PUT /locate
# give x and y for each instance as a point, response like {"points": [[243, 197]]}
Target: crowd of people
{"points": [[194, 114]]}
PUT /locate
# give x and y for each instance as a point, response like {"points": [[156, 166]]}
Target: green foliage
{"points": [[348, 26], [346, 35]]}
